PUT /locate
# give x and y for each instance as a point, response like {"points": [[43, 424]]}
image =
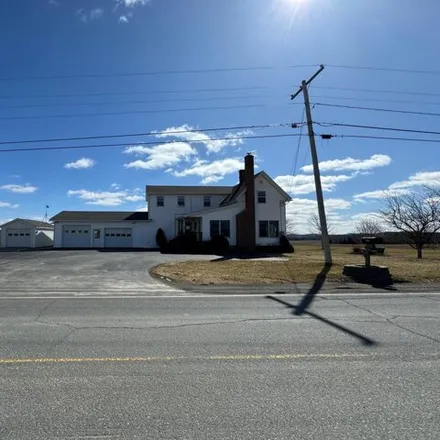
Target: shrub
{"points": [[185, 244], [285, 245], [161, 239], [219, 244]]}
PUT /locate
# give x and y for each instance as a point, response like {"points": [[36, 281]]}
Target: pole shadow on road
{"points": [[302, 307]]}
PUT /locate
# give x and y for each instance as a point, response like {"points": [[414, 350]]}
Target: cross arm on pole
{"points": [[321, 68]]}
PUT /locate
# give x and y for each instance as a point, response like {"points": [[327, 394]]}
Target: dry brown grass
{"points": [[303, 266]]}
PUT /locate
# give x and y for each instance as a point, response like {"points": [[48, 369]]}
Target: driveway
{"points": [[83, 272]]}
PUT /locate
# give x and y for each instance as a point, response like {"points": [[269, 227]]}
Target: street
{"points": [[347, 367]]}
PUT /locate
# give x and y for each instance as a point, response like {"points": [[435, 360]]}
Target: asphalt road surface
{"points": [[345, 367]]}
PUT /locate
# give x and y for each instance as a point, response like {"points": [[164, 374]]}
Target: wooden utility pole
{"points": [[314, 154]]}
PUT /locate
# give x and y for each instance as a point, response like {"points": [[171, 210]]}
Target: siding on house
{"points": [[273, 209], [165, 216], [228, 213]]}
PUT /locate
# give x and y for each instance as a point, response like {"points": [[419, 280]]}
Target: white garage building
{"points": [[103, 229], [25, 233]]}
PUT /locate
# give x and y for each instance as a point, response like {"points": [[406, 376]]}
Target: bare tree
{"points": [[368, 227], [290, 227], [315, 225], [417, 215]]}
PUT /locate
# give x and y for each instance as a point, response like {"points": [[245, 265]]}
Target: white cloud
{"points": [[20, 189], [115, 186], [212, 172], [379, 194], [106, 198], [350, 164], [8, 205], [132, 3], [123, 19], [305, 184], [91, 15], [212, 145], [428, 178], [299, 210], [160, 156], [80, 164], [134, 198]]}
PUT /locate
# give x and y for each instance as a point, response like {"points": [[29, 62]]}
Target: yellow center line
{"points": [[232, 357]]}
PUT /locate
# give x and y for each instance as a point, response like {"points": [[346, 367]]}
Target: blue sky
{"points": [[84, 38]]}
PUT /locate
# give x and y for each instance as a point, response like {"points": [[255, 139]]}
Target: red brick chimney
{"points": [[249, 200]]}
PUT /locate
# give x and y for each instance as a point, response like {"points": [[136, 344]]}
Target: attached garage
{"points": [[104, 229], [76, 236], [25, 233], [118, 237]]}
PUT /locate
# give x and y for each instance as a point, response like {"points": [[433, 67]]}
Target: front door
{"points": [[194, 225]]}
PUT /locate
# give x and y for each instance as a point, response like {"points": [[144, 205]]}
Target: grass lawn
{"points": [[303, 266]]}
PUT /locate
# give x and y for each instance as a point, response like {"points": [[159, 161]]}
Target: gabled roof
{"points": [[34, 223], [100, 216], [164, 190], [238, 189], [230, 198]]}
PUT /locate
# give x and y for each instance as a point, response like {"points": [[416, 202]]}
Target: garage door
{"points": [[118, 237], [18, 238], [76, 236]]}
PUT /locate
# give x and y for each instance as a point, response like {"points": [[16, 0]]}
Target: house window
{"points": [[261, 196], [207, 201], [225, 228], [180, 200], [160, 201], [269, 229], [222, 227], [97, 234]]}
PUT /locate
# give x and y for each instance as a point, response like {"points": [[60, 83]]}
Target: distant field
{"points": [[304, 265]]}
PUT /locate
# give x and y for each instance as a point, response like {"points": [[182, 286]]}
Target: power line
{"points": [[149, 101], [375, 127], [355, 136], [394, 101], [77, 147], [392, 92], [389, 110], [134, 112], [153, 73], [148, 92], [151, 133], [385, 69]]}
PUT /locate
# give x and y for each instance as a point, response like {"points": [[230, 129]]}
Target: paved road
{"points": [[83, 272], [346, 367]]}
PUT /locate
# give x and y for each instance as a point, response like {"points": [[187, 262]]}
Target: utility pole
{"points": [[314, 154]]}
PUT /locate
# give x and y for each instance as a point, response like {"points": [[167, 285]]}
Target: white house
{"points": [[250, 213], [24, 233]]}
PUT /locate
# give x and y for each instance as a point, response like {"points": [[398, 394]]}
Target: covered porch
{"points": [[189, 225]]}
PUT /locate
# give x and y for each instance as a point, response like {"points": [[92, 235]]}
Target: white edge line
{"points": [[217, 296]]}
